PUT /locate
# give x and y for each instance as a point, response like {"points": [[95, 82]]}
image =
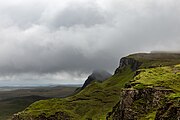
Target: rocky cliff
{"points": [[144, 87], [146, 96], [125, 61], [134, 103]]}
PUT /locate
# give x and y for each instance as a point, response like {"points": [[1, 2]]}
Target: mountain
{"points": [[145, 86], [97, 75]]}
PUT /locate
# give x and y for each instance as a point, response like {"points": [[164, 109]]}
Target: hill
{"points": [[144, 86]]}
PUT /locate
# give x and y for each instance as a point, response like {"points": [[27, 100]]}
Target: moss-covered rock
{"points": [[135, 103]]}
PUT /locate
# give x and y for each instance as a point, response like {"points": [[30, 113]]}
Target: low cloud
{"points": [[62, 42]]}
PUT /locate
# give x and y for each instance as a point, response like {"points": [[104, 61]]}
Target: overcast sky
{"points": [[63, 41]]}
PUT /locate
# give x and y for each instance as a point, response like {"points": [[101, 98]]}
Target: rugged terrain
{"points": [[144, 86]]}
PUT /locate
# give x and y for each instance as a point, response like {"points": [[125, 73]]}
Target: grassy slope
{"points": [[163, 77], [168, 77], [95, 101]]}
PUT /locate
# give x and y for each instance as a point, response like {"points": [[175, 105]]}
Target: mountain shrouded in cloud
{"points": [[60, 41]]}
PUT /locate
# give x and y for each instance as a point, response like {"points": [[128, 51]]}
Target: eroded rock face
{"points": [[135, 102], [124, 62], [169, 111]]}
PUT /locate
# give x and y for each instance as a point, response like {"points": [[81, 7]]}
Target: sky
{"points": [[63, 41]]}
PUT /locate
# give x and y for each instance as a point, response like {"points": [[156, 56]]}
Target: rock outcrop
{"points": [[136, 102], [169, 111], [125, 61], [98, 75]]}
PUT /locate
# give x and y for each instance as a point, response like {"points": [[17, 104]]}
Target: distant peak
{"points": [[98, 75]]}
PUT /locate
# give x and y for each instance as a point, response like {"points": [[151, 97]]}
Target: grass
{"points": [[94, 102], [97, 99], [150, 116], [168, 77], [156, 59], [174, 96]]}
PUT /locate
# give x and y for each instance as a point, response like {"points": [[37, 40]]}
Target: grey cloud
{"points": [[76, 14], [86, 37]]}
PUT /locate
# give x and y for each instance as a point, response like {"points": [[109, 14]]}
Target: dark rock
{"points": [[124, 62], [98, 75], [135, 102], [169, 111]]}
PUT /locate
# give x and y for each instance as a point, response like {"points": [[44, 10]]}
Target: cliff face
{"points": [[124, 62], [146, 96], [144, 87], [169, 111], [135, 103]]}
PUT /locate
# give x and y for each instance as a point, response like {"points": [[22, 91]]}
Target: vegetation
{"points": [[167, 77], [156, 59], [94, 102], [162, 78], [160, 71]]}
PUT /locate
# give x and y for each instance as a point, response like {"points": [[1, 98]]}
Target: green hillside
{"points": [[94, 102], [162, 79], [98, 100]]}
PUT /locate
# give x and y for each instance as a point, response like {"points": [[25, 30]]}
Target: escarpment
{"points": [[154, 92], [144, 87], [169, 111], [124, 62]]}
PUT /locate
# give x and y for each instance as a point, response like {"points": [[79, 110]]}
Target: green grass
{"points": [[97, 99], [167, 77], [156, 59], [94, 102], [150, 116], [174, 96]]}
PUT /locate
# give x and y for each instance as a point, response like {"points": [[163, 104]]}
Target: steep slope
{"points": [[97, 75], [154, 92], [93, 102], [105, 100]]}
